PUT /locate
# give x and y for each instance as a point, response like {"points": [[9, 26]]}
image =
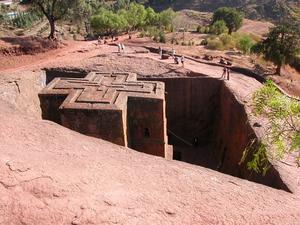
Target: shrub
{"points": [[204, 42], [199, 29], [162, 37], [191, 43], [218, 27], [215, 44], [227, 40], [245, 44], [25, 19]]}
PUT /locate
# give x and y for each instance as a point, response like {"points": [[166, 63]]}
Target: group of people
{"points": [[177, 59], [225, 74]]}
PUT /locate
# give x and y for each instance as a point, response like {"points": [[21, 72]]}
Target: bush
{"points": [[25, 19], [206, 30], [204, 42], [184, 43], [245, 44], [215, 44], [191, 43], [199, 29], [162, 37], [227, 40], [218, 27]]}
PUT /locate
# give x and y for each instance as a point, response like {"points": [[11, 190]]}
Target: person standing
{"points": [[224, 73], [123, 48], [119, 48], [182, 60], [173, 52], [160, 51], [228, 72]]}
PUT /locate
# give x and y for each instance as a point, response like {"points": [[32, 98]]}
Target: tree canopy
{"points": [[132, 17], [107, 22], [281, 46], [232, 18]]}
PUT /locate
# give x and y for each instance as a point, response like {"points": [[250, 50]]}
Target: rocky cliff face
{"points": [[234, 133]]}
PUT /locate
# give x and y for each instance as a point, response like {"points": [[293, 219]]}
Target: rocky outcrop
{"points": [[52, 175]]}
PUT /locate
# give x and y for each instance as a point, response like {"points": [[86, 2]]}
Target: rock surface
{"points": [[51, 175]]}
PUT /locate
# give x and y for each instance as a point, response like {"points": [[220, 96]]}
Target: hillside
{"points": [[254, 9]]}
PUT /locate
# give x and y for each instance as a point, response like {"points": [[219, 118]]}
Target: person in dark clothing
{"points": [[196, 141], [228, 72], [224, 73]]}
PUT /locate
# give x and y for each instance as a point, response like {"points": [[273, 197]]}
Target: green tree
{"points": [[54, 10], [152, 18], [166, 19], [232, 18], [281, 46], [218, 27], [282, 132], [108, 22], [136, 16]]}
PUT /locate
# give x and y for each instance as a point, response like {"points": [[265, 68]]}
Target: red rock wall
{"points": [[146, 127], [107, 125], [191, 103], [233, 134]]}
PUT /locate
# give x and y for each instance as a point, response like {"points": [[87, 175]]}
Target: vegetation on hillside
{"points": [[240, 41], [276, 10], [282, 134]]}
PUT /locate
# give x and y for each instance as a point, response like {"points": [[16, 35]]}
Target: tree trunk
{"points": [[52, 27], [278, 69]]}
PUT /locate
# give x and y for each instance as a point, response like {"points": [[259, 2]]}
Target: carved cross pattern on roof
{"points": [[102, 90]]}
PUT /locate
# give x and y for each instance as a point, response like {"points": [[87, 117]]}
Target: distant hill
{"points": [[254, 9]]}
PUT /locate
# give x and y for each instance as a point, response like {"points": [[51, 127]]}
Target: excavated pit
{"points": [[206, 125]]}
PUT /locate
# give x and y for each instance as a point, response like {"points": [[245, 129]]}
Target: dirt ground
{"points": [[67, 51]]}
